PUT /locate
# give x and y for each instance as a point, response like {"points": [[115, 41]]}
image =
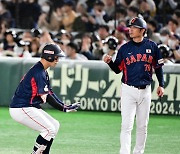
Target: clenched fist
{"points": [[107, 58]]}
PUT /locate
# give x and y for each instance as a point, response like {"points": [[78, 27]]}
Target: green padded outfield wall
{"points": [[90, 82]]}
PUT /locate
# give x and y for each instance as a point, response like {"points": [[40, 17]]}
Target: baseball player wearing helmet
{"points": [[34, 89], [136, 59]]}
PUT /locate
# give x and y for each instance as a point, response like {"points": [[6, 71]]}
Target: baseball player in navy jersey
{"points": [[136, 59], [34, 89]]}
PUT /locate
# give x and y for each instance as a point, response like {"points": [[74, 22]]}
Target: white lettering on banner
{"points": [[84, 82], [97, 102], [115, 105], [83, 103], [102, 84], [70, 71], [170, 88], [171, 82], [178, 88], [78, 72], [94, 85], [55, 83], [66, 82], [79, 81], [115, 85], [104, 104], [90, 103], [71, 76]]}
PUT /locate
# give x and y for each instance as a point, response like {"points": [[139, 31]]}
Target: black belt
{"points": [[139, 87]]}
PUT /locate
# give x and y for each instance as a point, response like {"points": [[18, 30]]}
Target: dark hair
{"points": [[173, 21], [104, 26], [73, 46], [164, 31], [87, 35], [133, 9], [153, 23], [177, 13], [121, 10]]}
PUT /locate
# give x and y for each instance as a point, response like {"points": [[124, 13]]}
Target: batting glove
{"points": [[72, 108]]}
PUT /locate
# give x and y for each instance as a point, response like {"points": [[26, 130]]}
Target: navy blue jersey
{"points": [[136, 60], [34, 84]]}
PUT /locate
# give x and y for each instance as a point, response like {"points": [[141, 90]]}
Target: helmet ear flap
{"points": [[48, 58]]}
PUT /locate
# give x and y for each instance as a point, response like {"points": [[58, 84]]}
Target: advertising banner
{"points": [[92, 83]]}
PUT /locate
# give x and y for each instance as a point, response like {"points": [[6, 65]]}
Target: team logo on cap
{"points": [[49, 52], [133, 20]]}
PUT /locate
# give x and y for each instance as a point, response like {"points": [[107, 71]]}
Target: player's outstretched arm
{"points": [[54, 102]]}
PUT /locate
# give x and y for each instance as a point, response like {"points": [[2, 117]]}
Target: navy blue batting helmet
{"points": [[138, 22], [50, 51]]}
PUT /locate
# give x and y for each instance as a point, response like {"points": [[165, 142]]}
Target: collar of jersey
{"points": [[139, 43]]}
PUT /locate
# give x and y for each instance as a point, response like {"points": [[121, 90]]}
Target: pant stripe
{"points": [[36, 121]]}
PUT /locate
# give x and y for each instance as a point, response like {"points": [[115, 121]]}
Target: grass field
{"points": [[89, 133]]}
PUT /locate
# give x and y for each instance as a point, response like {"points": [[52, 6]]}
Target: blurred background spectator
{"points": [[176, 16], [8, 45], [86, 46], [50, 18], [28, 14], [5, 14], [83, 22], [152, 27], [34, 47], [68, 15], [71, 52], [98, 13]]}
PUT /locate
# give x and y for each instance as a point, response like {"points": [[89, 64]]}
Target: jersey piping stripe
{"points": [[36, 122], [122, 66], [125, 72], [34, 89]]}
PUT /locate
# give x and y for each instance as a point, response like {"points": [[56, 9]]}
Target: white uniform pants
{"points": [[134, 102], [37, 119]]}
